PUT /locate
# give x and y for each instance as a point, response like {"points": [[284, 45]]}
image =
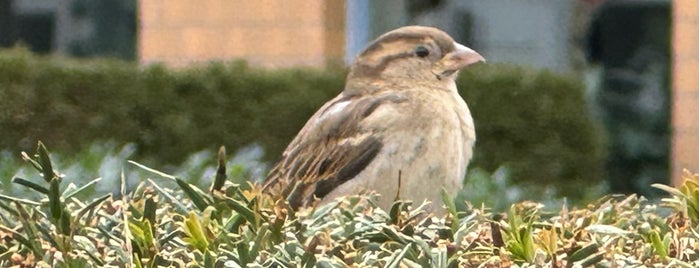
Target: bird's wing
{"points": [[331, 149]]}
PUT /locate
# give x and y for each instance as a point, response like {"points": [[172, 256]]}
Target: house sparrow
{"points": [[399, 120]]}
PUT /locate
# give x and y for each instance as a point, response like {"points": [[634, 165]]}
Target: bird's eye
{"points": [[422, 51]]}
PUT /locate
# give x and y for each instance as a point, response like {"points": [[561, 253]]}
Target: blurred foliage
{"points": [[108, 161], [228, 225], [166, 113], [534, 123]]}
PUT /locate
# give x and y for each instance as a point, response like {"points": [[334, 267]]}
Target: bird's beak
{"points": [[454, 61]]}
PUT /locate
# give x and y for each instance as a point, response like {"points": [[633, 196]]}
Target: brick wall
{"points": [[270, 33], [685, 82]]}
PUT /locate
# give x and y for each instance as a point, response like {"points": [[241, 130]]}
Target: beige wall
{"points": [[685, 82], [270, 33]]}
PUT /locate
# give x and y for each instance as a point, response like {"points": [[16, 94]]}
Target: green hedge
{"points": [[225, 225], [533, 122], [537, 124]]}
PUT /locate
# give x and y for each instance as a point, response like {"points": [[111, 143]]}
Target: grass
{"points": [[164, 220]]}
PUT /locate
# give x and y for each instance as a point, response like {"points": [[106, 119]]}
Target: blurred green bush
{"points": [[535, 123]]}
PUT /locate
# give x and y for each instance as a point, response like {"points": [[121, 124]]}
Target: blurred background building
{"points": [[630, 42], [71, 27], [641, 57], [685, 87]]}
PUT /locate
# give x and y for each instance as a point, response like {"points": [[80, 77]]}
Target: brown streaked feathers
{"points": [[328, 156], [399, 111]]}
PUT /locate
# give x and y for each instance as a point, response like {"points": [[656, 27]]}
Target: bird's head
{"points": [[413, 53]]}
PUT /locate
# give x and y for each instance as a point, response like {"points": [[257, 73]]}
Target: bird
{"points": [[398, 128]]}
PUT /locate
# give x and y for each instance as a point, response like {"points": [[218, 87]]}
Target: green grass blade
{"points": [[31, 161], [45, 162], [175, 201], [448, 203], [19, 200], [11, 212], [30, 185], [31, 244], [397, 257], [197, 197], [92, 205], [149, 209], [55, 204], [68, 194], [592, 260], [195, 230], [154, 171], [220, 179], [583, 253], [243, 210]]}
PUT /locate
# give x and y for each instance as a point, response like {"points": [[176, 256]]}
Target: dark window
{"points": [[36, 31]]}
